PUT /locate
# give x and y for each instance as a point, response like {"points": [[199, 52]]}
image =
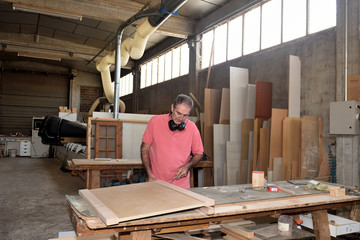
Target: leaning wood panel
{"points": [[277, 116], [225, 106], [124, 203], [310, 146], [291, 148], [232, 162], [294, 86], [247, 126], [221, 136], [258, 122], [264, 150], [263, 99]]}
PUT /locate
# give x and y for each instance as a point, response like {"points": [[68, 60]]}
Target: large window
{"points": [[170, 65], [272, 23], [126, 85]]}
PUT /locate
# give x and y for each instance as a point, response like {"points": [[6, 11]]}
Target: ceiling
{"points": [[78, 42]]}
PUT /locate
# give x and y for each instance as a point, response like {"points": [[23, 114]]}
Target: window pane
{"points": [[322, 15], [154, 71], [176, 63], [220, 44], [148, 74], [184, 65], [206, 45], [161, 69], [143, 76], [271, 24], [252, 31], [168, 65], [294, 19], [235, 38]]}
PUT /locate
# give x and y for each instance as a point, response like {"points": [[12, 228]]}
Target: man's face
{"points": [[180, 113]]}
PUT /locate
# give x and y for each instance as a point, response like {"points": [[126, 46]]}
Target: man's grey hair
{"points": [[184, 99]]}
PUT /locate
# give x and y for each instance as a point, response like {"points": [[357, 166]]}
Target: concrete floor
{"points": [[32, 198]]}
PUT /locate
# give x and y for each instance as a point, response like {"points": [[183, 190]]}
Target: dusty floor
{"points": [[32, 198]]}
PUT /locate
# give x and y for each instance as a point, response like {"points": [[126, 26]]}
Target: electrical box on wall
{"points": [[344, 117]]}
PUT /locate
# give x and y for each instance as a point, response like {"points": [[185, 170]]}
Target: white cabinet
{"points": [[25, 148]]}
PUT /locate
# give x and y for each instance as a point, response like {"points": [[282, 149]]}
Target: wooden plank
{"points": [[89, 162], [221, 136], [247, 126], [353, 87], [291, 148], [239, 79], [232, 162], [294, 86], [124, 203], [237, 231], [140, 235], [92, 179], [224, 117], [264, 149], [277, 116], [310, 146], [177, 236], [250, 101], [104, 236], [277, 172], [258, 122], [321, 224], [263, 99], [211, 116]]}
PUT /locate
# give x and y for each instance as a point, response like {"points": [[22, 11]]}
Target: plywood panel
{"points": [[264, 149], [247, 126], [353, 87], [310, 146], [211, 116], [294, 86], [277, 116], [277, 171], [123, 203], [258, 122], [250, 101], [239, 79], [291, 148], [263, 99], [225, 106], [221, 136], [233, 163]]}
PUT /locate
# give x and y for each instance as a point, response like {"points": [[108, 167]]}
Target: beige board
{"points": [[134, 201], [233, 162], [294, 86], [247, 126], [277, 117], [221, 136], [225, 106]]}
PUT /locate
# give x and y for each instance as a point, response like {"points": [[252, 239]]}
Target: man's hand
{"points": [[183, 171]]}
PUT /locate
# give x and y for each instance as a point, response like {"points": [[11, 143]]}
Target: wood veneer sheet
{"points": [[129, 202]]}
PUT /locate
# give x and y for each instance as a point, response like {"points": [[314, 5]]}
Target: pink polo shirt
{"points": [[171, 150]]}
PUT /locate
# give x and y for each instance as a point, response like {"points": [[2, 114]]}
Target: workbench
{"points": [[94, 168], [231, 202]]}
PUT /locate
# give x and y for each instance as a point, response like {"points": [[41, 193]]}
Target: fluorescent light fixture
{"points": [[51, 12], [39, 55]]}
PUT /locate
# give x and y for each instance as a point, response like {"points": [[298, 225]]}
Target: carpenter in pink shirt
{"points": [[168, 142]]}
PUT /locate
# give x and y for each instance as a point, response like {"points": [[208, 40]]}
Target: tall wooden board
{"points": [[134, 201], [277, 169], [232, 162], [225, 106], [258, 122], [221, 136], [294, 86], [247, 126], [291, 148], [239, 79], [277, 116], [310, 146], [263, 99], [250, 101], [264, 150]]}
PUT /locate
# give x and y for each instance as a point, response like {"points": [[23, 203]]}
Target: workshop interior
{"points": [[276, 92]]}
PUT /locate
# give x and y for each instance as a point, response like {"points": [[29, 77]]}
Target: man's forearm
{"points": [[145, 157], [194, 161]]}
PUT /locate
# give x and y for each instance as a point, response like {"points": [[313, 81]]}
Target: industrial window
{"points": [[167, 66], [270, 24], [126, 85]]}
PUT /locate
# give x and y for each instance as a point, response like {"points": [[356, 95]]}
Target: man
{"points": [[171, 144]]}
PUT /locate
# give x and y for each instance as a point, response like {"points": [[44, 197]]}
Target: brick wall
{"points": [[87, 97]]}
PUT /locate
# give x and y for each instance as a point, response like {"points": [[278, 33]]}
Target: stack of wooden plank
{"points": [[243, 133]]}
